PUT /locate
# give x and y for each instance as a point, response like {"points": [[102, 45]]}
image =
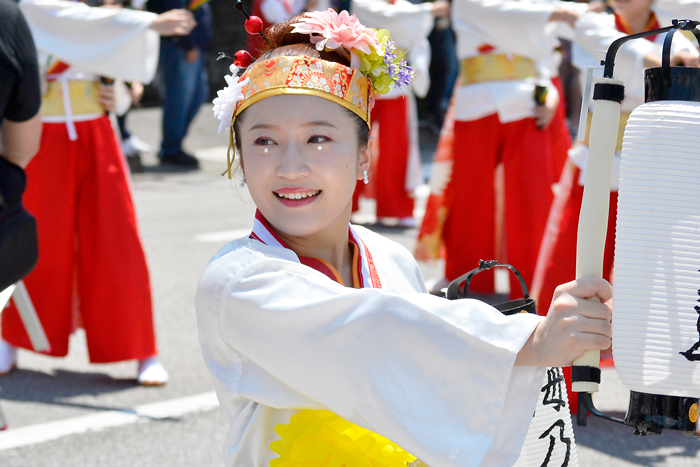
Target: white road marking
{"points": [[223, 235], [34, 434]]}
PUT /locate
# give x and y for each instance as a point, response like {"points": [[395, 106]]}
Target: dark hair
{"points": [[281, 42]]}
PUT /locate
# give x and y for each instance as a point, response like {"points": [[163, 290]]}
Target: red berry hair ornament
{"points": [[253, 24]]}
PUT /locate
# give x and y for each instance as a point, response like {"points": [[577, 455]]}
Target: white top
{"points": [[113, 42], [594, 34], [409, 25], [276, 11], [511, 28], [432, 375], [678, 9]]}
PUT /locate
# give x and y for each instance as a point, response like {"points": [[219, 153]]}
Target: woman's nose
{"points": [[292, 164]]}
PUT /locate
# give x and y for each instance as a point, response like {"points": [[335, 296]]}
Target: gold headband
{"points": [[306, 75]]}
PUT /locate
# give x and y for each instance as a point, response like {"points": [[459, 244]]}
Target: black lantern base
{"points": [[651, 413]]}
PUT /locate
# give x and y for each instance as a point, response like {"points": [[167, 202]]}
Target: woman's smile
{"points": [[295, 197]]}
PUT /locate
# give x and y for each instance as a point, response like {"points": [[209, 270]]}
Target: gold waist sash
{"points": [[83, 98], [620, 129], [494, 67]]}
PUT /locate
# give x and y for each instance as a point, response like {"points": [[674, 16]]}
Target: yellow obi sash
{"points": [[83, 98], [620, 131], [496, 67]]}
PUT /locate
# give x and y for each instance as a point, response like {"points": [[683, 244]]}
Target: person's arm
{"points": [[410, 366], [119, 43], [20, 121], [678, 9], [19, 141]]}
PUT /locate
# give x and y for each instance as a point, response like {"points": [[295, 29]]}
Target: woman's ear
{"points": [[365, 159]]}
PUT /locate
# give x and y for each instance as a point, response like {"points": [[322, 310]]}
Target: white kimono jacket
{"points": [[432, 375]]}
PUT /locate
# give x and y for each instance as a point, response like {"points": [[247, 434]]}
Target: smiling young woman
{"points": [[324, 345], [301, 167]]}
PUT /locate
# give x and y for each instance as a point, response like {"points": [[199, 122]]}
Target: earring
{"points": [[365, 179], [319, 147], [243, 181], [266, 150]]}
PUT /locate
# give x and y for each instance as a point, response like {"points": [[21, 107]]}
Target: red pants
{"points": [[388, 174], [557, 262], [90, 254], [469, 232]]}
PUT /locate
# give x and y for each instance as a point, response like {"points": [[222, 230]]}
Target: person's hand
{"points": [[136, 93], [107, 97], [545, 113], [174, 23], [684, 58], [565, 16], [441, 9], [596, 6], [573, 325], [192, 55]]}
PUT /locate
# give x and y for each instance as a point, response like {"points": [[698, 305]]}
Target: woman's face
{"points": [[633, 7], [304, 183]]}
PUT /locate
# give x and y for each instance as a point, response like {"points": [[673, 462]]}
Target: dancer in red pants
{"points": [[502, 46], [92, 271]]}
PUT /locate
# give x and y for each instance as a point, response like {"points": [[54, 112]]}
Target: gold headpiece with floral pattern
{"points": [[306, 75]]}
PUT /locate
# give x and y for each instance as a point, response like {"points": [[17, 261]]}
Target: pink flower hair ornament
{"points": [[368, 50], [342, 32]]}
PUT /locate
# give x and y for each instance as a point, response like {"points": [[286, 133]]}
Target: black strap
{"points": [[609, 92], [585, 373], [453, 288]]}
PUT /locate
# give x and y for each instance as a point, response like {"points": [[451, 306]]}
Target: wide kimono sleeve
{"points": [[434, 376], [105, 41], [513, 26]]}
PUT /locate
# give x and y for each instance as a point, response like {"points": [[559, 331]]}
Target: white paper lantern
{"points": [[656, 301], [550, 438]]}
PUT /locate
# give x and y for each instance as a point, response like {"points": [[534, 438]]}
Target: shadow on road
{"points": [[668, 448], [35, 386]]}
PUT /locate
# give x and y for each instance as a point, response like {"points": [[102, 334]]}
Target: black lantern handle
{"points": [[453, 288], [682, 25]]}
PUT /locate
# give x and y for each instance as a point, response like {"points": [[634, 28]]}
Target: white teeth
{"points": [[298, 195]]}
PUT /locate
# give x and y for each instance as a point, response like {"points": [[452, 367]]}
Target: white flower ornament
{"points": [[228, 97]]}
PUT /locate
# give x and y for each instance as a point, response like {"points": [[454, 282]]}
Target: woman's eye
{"points": [[316, 139], [262, 141]]}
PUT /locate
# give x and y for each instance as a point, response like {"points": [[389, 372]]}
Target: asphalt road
{"points": [[67, 412]]}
